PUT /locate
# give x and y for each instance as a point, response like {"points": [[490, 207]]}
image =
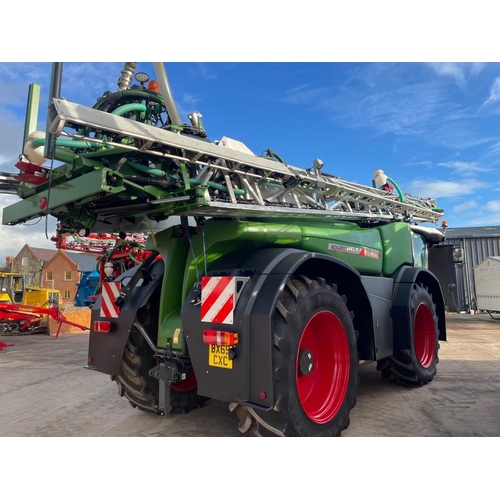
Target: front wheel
{"points": [[416, 366], [315, 358]]}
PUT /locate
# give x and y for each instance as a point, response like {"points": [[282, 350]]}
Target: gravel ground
{"points": [[44, 391]]}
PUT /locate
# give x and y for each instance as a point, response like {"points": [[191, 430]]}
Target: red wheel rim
{"points": [[424, 335], [188, 384], [322, 392]]}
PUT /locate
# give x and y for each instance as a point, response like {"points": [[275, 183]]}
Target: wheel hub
{"points": [[322, 367], [306, 362]]}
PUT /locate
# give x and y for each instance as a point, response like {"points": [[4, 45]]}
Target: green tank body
{"points": [[375, 251]]}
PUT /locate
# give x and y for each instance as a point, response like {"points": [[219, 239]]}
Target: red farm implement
{"points": [[19, 319]]}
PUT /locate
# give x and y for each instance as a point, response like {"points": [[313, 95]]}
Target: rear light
{"points": [[102, 326], [219, 337]]}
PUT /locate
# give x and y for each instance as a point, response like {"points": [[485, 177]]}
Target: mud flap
{"points": [[106, 349]]}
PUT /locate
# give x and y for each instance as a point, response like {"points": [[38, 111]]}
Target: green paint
{"points": [[172, 247], [346, 242], [389, 243], [396, 242], [79, 190], [221, 239]]}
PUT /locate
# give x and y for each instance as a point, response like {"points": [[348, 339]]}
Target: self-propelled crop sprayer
{"points": [[271, 286]]}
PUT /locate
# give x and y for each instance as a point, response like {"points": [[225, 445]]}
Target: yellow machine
{"points": [[39, 296], [13, 291], [11, 288]]}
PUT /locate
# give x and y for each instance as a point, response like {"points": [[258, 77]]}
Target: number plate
{"points": [[218, 355]]}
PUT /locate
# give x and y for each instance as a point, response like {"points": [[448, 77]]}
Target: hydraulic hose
{"points": [[127, 108], [64, 155], [194, 182], [216, 185], [396, 187], [110, 100], [68, 143], [146, 170]]}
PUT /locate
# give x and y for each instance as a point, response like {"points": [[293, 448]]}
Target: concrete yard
{"points": [[45, 391]]}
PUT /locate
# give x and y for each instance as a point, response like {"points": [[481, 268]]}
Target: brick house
{"points": [[63, 272], [56, 269], [30, 262], [8, 265]]}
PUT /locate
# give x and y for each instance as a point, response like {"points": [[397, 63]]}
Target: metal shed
{"points": [[478, 243]]}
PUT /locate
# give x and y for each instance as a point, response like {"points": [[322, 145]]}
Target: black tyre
{"points": [[134, 381], [9, 328], [417, 365], [315, 358]]}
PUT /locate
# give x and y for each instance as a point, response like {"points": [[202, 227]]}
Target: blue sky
{"points": [[432, 127]]}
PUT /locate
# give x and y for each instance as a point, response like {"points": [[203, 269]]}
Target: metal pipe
{"points": [[467, 283], [32, 106], [54, 91], [126, 75], [166, 92], [143, 332]]}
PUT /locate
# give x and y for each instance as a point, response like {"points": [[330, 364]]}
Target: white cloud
{"points": [[11, 138], [406, 110], [418, 164], [462, 207], [397, 99], [85, 82], [456, 134], [13, 238], [476, 68], [303, 94], [186, 105], [444, 189], [494, 93], [205, 71], [463, 167], [486, 220], [493, 205], [460, 72], [455, 70]]}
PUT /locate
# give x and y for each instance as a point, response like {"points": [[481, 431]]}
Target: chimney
{"points": [[8, 261]]}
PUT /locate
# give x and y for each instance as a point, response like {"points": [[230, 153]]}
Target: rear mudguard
{"points": [[106, 349], [251, 379], [404, 279]]}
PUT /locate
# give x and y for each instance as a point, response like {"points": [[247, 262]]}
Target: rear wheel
{"points": [[315, 358], [134, 381], [417, 365]]}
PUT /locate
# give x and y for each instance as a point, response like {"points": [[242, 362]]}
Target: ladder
{"points": [[240, 184]]}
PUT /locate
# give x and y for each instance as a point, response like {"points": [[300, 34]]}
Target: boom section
{"points": [[191, 176]]}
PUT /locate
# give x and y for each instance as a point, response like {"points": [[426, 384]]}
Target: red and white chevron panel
{"points": [[110, 292], [218, 299]]}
